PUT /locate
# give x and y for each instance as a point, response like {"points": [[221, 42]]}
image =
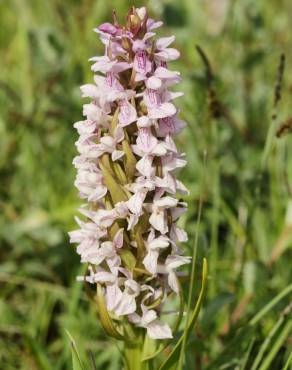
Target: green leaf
{"points": [[116, 191], [114, 121], [119, 173], [130, 160], [137, 236], [173, 358], [105, 319], [76, 361], [128, 258]]}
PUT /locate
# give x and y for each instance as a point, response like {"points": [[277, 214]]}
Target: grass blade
{"points": [[266, 343], [279, 342], [289, 361], [76, 361], [270, 305], [191, 291]]}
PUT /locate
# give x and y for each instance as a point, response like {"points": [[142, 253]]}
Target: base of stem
{"points": [[133, 353]]}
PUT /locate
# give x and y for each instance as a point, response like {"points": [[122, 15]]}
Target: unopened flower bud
{"points": [[126, 44]]}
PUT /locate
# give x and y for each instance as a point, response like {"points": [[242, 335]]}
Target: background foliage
{"points": [[246, 228]]}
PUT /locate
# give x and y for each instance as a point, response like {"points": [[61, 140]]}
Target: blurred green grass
{"points": [[246, 230]]}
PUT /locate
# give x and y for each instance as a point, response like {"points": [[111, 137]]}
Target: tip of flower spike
{"points": [[136, 20], [115, 18], [142, 12]]}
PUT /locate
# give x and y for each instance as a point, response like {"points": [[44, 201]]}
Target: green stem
{"points": [[133, 354]]}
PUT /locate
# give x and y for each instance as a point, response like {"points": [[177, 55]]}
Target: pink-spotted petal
{"points": [[161, 111], [127, 113]]}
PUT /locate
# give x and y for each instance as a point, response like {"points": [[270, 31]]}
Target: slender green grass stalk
{"points": [[286, 331], [76, 360], [270, 305], [289, 362], [266, 343], [193, 268], [244, 362]]}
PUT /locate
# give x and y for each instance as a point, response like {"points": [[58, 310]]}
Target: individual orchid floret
{"points": [[127, 113], [159, 211], [130, 236], [149, 320], [163, 53], [172, 262], [170, 126], [153, 246], [89, 182], [108, 144]]}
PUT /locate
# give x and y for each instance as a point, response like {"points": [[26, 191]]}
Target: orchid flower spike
{"points": [[127, 174]]}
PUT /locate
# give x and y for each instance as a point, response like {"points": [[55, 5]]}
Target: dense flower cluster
{"points": [[126, 173]]}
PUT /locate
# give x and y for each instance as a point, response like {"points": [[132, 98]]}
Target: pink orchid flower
{"points": [[172, 262], [158, 210], [87, 238], [105, 218], [170, 126], [90, 184], [153, 245], [147, 147], [95, 114], [157, 107], [177, 234], [108, 144], [156, 329], [108, 251], [86, 127], [162, 78], [127, 113], [127, 302], [170, 184], [142, 64], [164, 53], [140, 188], [152, 24], [147, 144], [105, 65]]}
